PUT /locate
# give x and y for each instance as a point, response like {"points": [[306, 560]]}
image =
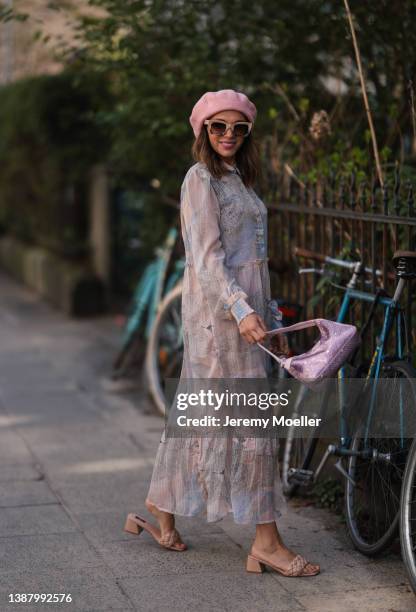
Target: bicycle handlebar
{"points": [[350, 265], [322, 272]]}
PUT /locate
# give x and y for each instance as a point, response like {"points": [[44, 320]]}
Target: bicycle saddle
{"points": [[405, 263]]}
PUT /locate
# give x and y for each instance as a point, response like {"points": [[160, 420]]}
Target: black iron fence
{"points": [[346, 219]]}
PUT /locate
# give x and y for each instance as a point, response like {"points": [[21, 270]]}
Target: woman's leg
{"points": [[166, 520], [269, 545]]}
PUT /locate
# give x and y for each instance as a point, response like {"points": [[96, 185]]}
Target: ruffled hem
{"points": [[198, 513], [215, 480]]}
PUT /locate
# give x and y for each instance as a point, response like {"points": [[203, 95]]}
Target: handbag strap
{"points": [[294, 327], [280, 360], [284, 330]]}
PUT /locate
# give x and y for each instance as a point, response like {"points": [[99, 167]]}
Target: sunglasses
{"points": [[217, 127]]}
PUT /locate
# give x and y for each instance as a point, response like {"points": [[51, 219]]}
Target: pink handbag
{"points": [[328, 354]]}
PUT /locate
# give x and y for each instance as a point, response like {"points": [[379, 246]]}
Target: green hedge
{"points": [[49, 138]]}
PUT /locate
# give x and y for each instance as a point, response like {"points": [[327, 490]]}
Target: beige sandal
{"points": [[135, 524], [298, 567]]}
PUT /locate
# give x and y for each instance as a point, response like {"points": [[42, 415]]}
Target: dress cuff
{"points": [[240, 309]]}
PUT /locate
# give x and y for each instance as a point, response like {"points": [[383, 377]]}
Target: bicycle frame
{"points": [[152, 287], [161, 265], [392, 312]]}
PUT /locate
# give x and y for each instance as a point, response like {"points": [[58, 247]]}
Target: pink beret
{"points": [[213, 102]]}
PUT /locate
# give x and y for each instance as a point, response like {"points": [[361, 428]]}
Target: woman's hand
{"points": [[279, 344], [253, 328]]}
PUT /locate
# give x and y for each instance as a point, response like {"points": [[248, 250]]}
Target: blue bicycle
{"points": [[158, 279], [370, 458]]}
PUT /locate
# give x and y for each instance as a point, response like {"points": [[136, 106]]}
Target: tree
{"points": [[293, 57]]}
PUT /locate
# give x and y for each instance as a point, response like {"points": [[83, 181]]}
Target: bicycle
{"points": [[408, 518], [375, 463], [408, 498], [151, 289]]}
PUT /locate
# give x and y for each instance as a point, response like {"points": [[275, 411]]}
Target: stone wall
{"points": [[72, 287]]}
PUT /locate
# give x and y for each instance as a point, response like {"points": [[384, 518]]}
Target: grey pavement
{"points": [[76, 458]]}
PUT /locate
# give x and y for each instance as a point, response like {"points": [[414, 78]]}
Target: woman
{"points": [[226, 309]]}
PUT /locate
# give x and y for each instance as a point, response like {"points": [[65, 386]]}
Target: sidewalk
{"points": [[75, 459]]}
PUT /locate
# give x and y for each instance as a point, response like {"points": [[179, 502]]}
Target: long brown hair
{"points": [[247, 158]]}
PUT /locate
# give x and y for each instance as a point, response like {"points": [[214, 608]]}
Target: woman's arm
{"points": [[200, 216]]}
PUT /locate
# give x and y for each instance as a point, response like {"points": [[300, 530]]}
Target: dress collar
{"points": [[231, 168]]}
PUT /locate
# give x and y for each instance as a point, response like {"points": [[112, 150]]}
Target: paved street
{"points": [[76, 458]]}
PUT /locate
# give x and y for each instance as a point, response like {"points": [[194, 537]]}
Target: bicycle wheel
{"points": [[298, 452], [372, 491], [164, 351], [408, 517]]}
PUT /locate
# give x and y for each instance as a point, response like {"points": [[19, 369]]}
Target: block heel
{"points": [[255, 566], [132, 527], [135, 524]]}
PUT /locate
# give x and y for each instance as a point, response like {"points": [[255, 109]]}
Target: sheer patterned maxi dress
{"points": [[224, 228]]}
